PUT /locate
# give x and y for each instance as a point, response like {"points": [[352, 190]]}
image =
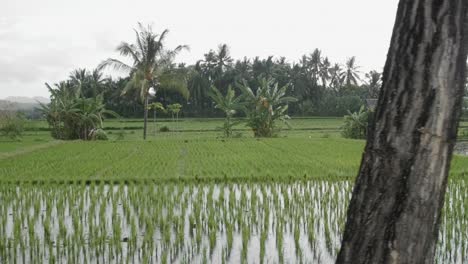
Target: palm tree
{"points": [[314, 64], [223, 57], [351, 73], [90, 84], [336, 78], [152, 65], [373, 84], [229, 104], [324, 71]]}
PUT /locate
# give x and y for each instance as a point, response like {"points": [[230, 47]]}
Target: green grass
{"points": [[313, 149], [205, 124], [187, 159], [28, 140]]}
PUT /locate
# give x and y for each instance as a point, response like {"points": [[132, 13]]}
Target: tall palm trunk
{"points": [[145, 126], [395, 211]]}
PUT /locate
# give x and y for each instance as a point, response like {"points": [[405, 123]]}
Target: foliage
{"points": [[351, 74], [320, 85], [265, 106], [174, 109], [332, 105], [373, 84], [164, 129], [313, 79], [229, 104], [72, 116], [11, 124], [98, 134], [152, 66], [157, 106], [355, 124]]}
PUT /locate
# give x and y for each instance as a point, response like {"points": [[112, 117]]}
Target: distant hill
{"points": [[22, 102], [27, 100]]}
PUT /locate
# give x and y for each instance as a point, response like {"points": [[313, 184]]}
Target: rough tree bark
{"points": [[394, 213]]}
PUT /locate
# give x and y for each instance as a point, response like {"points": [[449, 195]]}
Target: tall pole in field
{"points": [[394, 214], [145, 117]]}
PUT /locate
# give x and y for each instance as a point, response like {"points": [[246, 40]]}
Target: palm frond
{"points": [[114, 63], [127, 49]]}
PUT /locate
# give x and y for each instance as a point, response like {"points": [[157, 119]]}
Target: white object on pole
{"points": [[151, 91]]}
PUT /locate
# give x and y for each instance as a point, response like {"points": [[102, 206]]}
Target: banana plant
{"points": [[264, 106], [229, 104]]}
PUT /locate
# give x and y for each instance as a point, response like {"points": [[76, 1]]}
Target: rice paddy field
{"points": [[191, 196]]}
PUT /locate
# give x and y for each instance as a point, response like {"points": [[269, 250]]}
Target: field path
{"points": [[29, 149]]}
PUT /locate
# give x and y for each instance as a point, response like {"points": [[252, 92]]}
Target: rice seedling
{"points": [[134, 223]]}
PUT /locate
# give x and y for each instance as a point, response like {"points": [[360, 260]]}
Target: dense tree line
{"points": [[322, 88]]}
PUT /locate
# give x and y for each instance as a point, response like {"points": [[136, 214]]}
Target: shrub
{"points": [[98, 134], [11, 124], [164, 129], [229, 104], [355, 124], [72, 116], [265, 106]]}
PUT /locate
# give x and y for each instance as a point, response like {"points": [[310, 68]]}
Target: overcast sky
{"points": [[43, 41]]}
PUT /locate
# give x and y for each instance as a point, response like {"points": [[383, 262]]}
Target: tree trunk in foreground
{"points": [[394, 214]]}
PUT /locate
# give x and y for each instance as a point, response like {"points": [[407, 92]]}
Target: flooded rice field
{"points": [[299, 222]]}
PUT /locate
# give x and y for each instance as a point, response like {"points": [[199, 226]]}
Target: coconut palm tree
{"points": [[315, 61], [152, 66], [336, 78], [223, 57], [324, 71], [90, 84], [351, 73], [373, 84]]}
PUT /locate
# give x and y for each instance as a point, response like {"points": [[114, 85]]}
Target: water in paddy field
{"points": [[297, 222]]}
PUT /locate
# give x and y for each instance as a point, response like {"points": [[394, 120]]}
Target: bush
{"points": [[164, 129], [98, 134], [265, 106], [11, 124], [355, 124]]}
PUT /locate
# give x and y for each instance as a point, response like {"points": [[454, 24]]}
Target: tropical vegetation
{"points": [[229, 104], [265, 106], [153, 67], [356, 124], [71, 115], [11, 124]]}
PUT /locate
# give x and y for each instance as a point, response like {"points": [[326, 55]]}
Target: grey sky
{"points": [[43, 41]]}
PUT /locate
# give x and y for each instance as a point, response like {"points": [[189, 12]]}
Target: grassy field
{"points": [[192, 150]]}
